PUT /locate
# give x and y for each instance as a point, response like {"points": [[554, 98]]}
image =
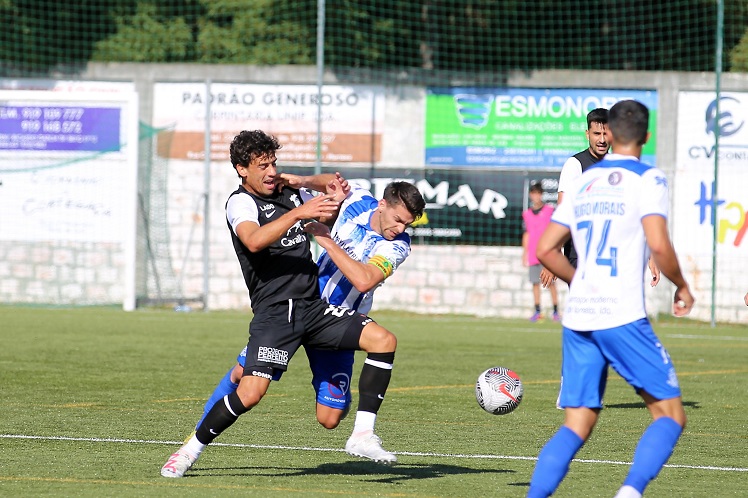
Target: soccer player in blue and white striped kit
{"points": [[616, 212], [366, 244]]}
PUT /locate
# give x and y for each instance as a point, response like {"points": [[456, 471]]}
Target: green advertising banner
{"points": [[518, 128]]}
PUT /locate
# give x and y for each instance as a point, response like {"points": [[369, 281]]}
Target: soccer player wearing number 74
{"points": [[616, 214]]}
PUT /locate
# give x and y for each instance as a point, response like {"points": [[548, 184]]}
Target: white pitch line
{"points": [[337, 450], [713, 337]]}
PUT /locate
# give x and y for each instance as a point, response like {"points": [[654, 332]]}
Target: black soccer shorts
{"points": [[277, 331]]}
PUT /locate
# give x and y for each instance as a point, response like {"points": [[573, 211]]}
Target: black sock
{"points": [[375, 377], [220, 418], [555, 308], [537, 308]]}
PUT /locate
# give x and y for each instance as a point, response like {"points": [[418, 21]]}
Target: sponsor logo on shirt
{"points": [[268, 210], [294, 235]]}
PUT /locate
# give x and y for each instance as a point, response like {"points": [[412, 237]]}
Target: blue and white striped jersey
{"points": [[353, 232]]}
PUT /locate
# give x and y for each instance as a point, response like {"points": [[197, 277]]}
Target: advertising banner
{"points": [[521, 128], [462, 207], [352, 119], [68, 165], [59, 126], [696, 208]]}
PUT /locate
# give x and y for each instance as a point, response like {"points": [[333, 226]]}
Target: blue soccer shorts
{"points": [[331, 375], [633, 350]]}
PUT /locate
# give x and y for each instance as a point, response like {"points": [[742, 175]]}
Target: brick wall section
{"points": [[481, 281], [61, 273]]}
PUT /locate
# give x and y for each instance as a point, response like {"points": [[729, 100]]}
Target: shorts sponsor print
{"points": [[272, 355]]}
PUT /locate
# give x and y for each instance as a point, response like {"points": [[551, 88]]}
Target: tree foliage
{"points": [[145, 37], [464, 36], [258, 32]]}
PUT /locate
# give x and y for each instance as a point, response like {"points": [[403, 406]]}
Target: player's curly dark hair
{"points": [[407, 194], [249, 145]]}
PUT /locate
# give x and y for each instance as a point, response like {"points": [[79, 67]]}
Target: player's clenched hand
{"points": [[321, 206], [546, 277], [289, 180], [682, 302], [655, 272], [338, 187], [317, 229]]}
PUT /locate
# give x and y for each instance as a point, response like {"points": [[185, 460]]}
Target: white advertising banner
{"points": [[352, 119], [700, 115], [68, 165], [68, 191]]}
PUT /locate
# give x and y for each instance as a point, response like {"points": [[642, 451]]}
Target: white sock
{"points": [[364, 422], [194, 447], [628, 492]]}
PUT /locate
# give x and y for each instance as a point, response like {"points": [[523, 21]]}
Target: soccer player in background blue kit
{"points": [[616, 214], [366, 244]]}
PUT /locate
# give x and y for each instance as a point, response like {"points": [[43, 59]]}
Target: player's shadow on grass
{"points": [[687, 404], [380, 473]]}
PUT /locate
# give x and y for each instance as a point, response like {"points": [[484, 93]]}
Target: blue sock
{"points": [[654, 448], [553, 462], [222, 389]]}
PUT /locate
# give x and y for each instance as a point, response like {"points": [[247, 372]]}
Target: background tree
{"points": [[422, 39], [147, 36]]}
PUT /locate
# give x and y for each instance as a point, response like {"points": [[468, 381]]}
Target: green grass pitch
{"points": [[95, 399]]}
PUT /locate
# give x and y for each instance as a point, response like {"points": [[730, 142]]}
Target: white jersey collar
{"points": [[619, 157]]}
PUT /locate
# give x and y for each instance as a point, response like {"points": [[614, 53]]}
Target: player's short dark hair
{"points": [[406, 194], [249, 145], [629, 122], [599, 115], [536, 187]]}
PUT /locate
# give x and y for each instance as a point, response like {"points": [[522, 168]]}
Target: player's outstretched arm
{"points": [[549, 251], [363, 276], [329, 183], [663, 253], [256, 237], [319, 183]]}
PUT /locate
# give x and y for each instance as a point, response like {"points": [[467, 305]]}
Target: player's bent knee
{"points": [[237, 373], [389, 341], [375, 338], [329, 423], [251, 390], [330, 418], [671, 408]]}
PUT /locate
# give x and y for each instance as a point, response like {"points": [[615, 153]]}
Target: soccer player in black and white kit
{"points": [[265, 219], [599, 143]]}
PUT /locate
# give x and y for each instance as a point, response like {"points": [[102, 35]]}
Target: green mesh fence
{"points": [[427, 37], [461, 53]]}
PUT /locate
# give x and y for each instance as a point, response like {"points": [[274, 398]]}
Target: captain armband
{"points": [[383, 264]]}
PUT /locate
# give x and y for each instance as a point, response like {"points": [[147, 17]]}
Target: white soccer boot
{"points": [[178, 463], [368, 445]]}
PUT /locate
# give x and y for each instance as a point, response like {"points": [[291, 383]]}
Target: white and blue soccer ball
{"points": [[499, 390]]}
